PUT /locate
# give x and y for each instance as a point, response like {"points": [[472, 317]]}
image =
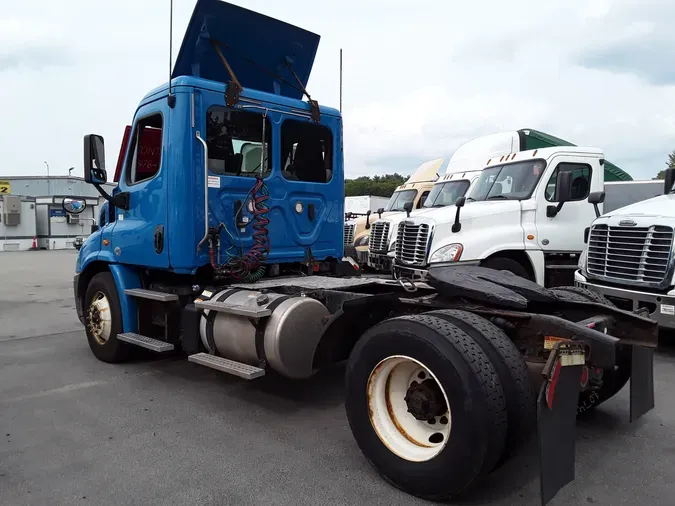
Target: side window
{"points": [[146, 150], [234, 139], [581, 181], [423, 199], [306, 152]]}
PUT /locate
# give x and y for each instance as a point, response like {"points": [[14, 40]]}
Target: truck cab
{"points": [[415, 190], [629, 256], [526, 214], [463, 166], [216, 155], [445, 192]]}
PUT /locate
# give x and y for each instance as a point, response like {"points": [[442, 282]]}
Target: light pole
{"points": [[49, 183]]}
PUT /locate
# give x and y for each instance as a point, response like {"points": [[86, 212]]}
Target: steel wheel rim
{"points": [[99, 319], [388, 391]]}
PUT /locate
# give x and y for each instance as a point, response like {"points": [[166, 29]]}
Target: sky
{"points": [[420, 78]]}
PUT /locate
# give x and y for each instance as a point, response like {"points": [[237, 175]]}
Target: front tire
{"points": [[406, 369], [103, 319]]}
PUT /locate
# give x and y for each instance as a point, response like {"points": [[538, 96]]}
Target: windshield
{"points": [[514, 181], [446, 194], [399, 199]]}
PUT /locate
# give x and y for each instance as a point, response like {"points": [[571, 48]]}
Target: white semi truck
{"points": [[463, 169], [629, 256], [527, 215], [445, 192]]}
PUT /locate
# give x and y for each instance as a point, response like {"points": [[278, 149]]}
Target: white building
{"points": [[41, 218]]}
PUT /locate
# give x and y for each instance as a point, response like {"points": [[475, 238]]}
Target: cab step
{"points": [[142, 293], [245, 371], [224, 307], [145, 342]]}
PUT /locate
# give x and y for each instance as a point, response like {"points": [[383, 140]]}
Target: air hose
{"points": [[249, 267]]}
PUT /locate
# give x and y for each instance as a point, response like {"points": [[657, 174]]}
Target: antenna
{"points": [[171, 99], [340, 80]]}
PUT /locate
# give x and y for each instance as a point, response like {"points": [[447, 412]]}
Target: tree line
{"points": [[377, 186], [670, 164]]}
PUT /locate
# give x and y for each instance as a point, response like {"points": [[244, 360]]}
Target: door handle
{"points": [[159, 239]]}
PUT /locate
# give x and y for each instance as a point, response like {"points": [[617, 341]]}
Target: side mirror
{"points": [[563, 191], [564, 186], [94, 159], [367, 219], [408, 206], [669, 178], [459, 203], [73, 206], [596, 198]]}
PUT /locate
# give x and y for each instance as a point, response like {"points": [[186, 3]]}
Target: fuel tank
{"points": [[284, 341]]}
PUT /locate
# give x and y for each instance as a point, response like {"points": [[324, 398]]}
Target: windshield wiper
{"points": [[471, 198], [498, 197]]}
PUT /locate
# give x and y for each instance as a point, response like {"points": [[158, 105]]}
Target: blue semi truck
{"points": [[223, 242]]}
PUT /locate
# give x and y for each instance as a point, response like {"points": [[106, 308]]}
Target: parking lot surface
{"points": [[162, 431]]}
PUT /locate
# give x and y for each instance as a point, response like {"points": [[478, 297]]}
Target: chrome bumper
{"points": [[661, 307]]}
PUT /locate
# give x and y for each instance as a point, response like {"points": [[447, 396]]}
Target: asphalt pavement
{"points": [[162, 431]]}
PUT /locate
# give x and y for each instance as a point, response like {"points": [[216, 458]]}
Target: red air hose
{"points": [[250, 266]]}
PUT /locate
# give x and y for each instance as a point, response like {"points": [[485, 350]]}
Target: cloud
{"points": [[35, 58], [419, 80]]}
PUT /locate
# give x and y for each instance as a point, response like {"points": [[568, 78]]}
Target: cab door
{"points": [[564, 232], [139, 234]]}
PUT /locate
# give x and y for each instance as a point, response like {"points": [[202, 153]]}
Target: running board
{"points": [[245, 371], [142, 293], [224, 307], [145, 342]]}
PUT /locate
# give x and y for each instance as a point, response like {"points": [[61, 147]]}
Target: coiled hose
{"points": [[250, 266]]}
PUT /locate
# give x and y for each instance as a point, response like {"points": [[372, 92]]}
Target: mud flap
{"points": [[641, 382], [557, 415]]}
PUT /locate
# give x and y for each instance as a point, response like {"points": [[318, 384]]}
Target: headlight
{"points": [[582, 260], [449, 253], [362, 241]]}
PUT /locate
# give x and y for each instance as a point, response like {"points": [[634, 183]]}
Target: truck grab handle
{"points": [[206, 191]]}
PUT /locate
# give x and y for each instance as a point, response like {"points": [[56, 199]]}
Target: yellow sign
{"points": [[5, 187]]}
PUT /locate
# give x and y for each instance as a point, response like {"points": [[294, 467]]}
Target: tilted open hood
{"points": [[255, 46]]}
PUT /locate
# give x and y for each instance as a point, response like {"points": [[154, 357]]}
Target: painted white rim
{"points": [[100, 319], [411, 439]]}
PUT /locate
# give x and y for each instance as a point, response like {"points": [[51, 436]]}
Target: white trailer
{"points": [[361, 204]]}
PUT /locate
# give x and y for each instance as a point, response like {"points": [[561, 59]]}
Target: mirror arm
{"points": [[120, 200], [456, 226], [597, 210], [554, 210]]}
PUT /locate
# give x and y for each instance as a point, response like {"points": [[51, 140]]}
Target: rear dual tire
{"points": [[487, 421]]}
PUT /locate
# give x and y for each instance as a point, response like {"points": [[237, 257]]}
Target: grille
{"points": [[349, 233], [411, 243], [379, 237], [638, 255]]}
